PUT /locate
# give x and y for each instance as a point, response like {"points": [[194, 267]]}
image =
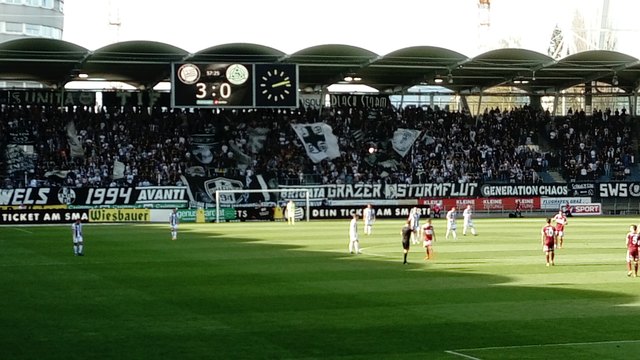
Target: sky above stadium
{"points": [[379, 26]]}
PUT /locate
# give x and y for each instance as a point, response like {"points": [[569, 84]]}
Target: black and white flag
{"points": [[118, 170], [403, 139], [318, 140], [202, 147], [18, 160], [75, 145], [257, 138]]}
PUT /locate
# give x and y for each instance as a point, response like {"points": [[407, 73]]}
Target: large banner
{"points": [[136, 98], [587, 209], [119, 215], [46, 97], [508, 203], [33, 207], [382, 191], [148, 197], [487, 204], [499, 190], [21, 135], [382, 212], [261, 213], [17, 159], [582, 189], [202, 190], [360, 101], [312, 101], [48, 216], [619, 190], [561, 202], [404, 191], [189, 215]]}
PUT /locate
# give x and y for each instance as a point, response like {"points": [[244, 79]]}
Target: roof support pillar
{"points": [[535, 101], [588, 97], [555, 103]]}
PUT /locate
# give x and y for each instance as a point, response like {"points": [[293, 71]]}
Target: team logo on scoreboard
{"points": [[189, 74], [66, 196], [237, 74]]}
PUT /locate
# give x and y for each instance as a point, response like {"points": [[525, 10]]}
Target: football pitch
{"points": [[271, 290]]}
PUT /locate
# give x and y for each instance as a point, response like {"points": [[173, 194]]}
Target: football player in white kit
{"points": [[451, 224], [354, 243], [173, 223], [369, 217], [414, 223], [468, 221], [291, 212], [78, 243]]}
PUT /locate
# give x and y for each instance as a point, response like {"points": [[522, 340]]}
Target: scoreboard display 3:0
{"points": [[212, 85]]}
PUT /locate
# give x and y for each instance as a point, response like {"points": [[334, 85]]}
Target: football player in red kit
{"points": [[548, 242], [429, 238], [560, 220], [632, 250]]}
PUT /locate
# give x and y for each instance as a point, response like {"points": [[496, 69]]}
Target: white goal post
{"points": [[306, 192]]}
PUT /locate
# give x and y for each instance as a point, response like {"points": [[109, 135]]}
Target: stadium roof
{"points": [[146, 63]]}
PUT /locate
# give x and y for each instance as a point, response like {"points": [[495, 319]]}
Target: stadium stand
{"points": [[138, 147], [597, 147]]}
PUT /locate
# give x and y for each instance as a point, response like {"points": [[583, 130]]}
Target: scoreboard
{"points": [[236, 85]]}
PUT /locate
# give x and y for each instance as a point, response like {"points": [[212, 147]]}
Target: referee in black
{"points": [[406, 239]]}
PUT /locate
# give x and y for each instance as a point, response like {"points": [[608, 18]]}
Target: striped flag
{"points": [[358, 135]]}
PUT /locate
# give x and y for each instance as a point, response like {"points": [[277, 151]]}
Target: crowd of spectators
{"points": [[150, 147], [140, 147], [591, 147]]}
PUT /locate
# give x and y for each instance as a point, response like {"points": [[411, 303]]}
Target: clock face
{"points": [[276, 85]]}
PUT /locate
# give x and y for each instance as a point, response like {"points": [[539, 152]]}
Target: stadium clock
{"points": [[212, 85], [276, 85]]}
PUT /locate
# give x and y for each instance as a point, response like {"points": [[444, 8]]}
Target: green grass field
{"points": [[269, 290]]}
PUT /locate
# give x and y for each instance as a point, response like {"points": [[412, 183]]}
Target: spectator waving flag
{"points": [[257, 138], [118, 170], [202, 146], [75, 146], [403, 139], [318, 140], [358, 135]]}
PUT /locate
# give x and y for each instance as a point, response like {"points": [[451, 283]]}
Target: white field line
{"points": [[23, 230], [457, 351], [462, 355]]}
